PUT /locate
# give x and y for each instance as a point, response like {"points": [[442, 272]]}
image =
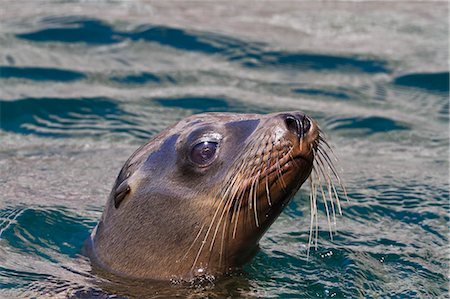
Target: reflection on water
{"points": [[81, 92], [95, 32]]}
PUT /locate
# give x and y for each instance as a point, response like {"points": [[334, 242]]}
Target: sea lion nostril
{"points": [[292, 124], [306, 124], [298, 125]]}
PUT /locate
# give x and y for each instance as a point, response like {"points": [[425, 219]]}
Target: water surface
{"points": [[83, 85]]}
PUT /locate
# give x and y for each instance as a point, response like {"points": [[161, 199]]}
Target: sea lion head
{"points": [[197, 198]]}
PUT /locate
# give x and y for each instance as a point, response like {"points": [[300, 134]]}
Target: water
{"points": [[84, 84]]}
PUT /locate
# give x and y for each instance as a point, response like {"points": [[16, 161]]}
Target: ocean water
{"points": [[83, 84]]}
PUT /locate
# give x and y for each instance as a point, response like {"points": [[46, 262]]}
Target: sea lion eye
{"points": [[204, 152]]}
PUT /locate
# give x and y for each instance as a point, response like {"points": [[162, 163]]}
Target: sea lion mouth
{"points": [[288, 163]]}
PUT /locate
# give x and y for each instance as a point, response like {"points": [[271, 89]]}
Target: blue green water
{"points": [[82, 86]]}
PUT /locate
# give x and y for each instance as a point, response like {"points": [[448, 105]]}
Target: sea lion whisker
{"points": [[235, 189], [316, 212], [205, 238], [255, 195], [218, 223], [235, 200], [193, 242], [223, 238], [335, 173], [311, 204], [338, 201], [238, 203], [322, 136], [333, 206], [237, 207], [207, 234], [239, 187], [327, 181], [232, 201], [336, 196], [324, 202], [250, 203], [323, 140], [227, 210], [345, 191], [292, 159], [269, 160], [330, 163], [252, 193], [314, 204], [228, 201], [328, 151], [269, 202], [241, 198], [329, 160], [332, 198], [313, 212], [280, 177], [257, 180], [340, 181]]}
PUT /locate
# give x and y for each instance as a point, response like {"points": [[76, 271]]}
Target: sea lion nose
{"points": [[297, 124]]}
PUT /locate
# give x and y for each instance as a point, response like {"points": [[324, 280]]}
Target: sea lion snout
{"points": [[295, 131]]}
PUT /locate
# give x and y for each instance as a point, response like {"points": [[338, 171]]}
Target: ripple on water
{"points": [[41, 240], [436, 82], [444, 111], [59, 117], [367, 125], [248, 54], [72, 30], [40, 74], [324, 274], [201, 104], [36, 230], [141, 78], [339, 93], [318, 62]]}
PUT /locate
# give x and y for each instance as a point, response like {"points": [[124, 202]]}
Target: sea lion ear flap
{"points": [[120, 193]]}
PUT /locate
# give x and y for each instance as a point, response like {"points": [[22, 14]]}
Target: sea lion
{"points": [[197, 198]]}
